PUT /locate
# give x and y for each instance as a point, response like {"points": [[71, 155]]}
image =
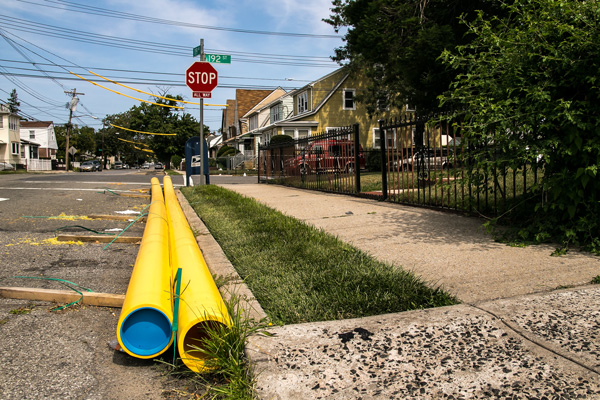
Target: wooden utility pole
{"points": [[72, 106]]}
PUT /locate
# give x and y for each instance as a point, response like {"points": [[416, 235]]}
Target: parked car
{"points": [[4, 166], [89, 166], [98, 165], [328, 155], [146, 165], [159, 165], [118, 165], [125, 166]]}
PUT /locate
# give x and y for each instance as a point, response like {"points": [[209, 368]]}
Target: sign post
{"points": [[202, 78]]}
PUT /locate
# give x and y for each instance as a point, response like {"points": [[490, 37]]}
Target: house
{"points": [[320, 106], [29, 151], [41, 132], [213, 142], [232, 123], [10, 140], [261, 115]]}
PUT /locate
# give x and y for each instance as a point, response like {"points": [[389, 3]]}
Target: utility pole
{"points": [[72, 107]]}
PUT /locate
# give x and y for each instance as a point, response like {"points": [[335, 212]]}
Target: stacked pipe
{"points": [[145, 326]]}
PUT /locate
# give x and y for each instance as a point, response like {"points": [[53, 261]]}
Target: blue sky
{"points": [[49, 38]]}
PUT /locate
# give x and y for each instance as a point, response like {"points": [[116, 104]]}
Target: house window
{"points": [[302, 133], [410, 107], [349, 102], [14, 148], [1, 122], [22, 150], [33, 152], [12, 124], [253, 122], [31, 134], [391, 139], [276, 113], [302, 102]]}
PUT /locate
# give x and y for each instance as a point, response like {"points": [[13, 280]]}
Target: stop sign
{"points": [[201, 77]]}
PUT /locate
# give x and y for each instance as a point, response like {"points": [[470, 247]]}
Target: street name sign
{"points": [[218, 58]]}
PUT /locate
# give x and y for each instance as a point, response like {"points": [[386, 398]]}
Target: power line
{"points": [[9, 24], [178, 74], [85, 9], [150, 82]]}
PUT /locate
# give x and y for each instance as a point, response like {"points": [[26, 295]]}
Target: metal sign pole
{"points": [[202, 160]]}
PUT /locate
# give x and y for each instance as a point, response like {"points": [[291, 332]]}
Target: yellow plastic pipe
{"points": [[144, 329], [201, 305]]}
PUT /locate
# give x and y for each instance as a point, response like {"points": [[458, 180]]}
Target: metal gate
{"points": [[328, 161], [427, 162]]}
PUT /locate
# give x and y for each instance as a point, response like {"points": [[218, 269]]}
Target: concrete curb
{"points": [[219, 265]]}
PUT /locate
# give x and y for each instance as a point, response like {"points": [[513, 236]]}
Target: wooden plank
{"points": [[140, 196], [99, 239], [117, 217], [63, 296]]}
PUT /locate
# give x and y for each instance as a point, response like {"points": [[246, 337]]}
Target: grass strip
{"points": [[301, 274]]}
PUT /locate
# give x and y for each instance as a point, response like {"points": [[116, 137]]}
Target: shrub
{"points": [[176, 161], [281, 139]]}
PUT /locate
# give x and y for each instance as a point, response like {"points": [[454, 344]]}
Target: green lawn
{"points": [[299, 273]]}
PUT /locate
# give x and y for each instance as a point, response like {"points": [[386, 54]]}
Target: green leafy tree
{"points": [[82, 138], [530, 84], [397, 44], [166, 120], [13, 102]]}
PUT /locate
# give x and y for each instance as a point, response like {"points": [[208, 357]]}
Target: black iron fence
{"points": [[420, 162], [328, 161], [428, 163]]}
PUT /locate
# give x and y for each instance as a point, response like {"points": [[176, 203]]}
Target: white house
{"points": [[10, 140], [42, 133]]}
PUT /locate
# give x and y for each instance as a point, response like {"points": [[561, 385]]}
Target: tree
{"points": [[13, 102], [529, 82], [397, 44], [155, 120], [82, 138]]}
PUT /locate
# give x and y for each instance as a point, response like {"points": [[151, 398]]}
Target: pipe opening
{"points": [[146, 331], [196, 337]]}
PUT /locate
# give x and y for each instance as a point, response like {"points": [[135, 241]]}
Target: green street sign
{"points": [[197, 50], [218, 58]]}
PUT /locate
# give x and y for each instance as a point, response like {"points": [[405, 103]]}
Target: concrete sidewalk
{"points": [[516, 335]]}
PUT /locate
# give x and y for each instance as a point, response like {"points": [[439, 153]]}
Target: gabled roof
{"points": [[36, 124], [325, 98], [273, 96], [248, 98]]}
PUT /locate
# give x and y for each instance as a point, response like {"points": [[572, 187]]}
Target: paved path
{"points": [[445, 249], [516, 335]]}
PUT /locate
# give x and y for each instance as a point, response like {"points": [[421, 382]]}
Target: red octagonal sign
{"points": [[201, 77]]}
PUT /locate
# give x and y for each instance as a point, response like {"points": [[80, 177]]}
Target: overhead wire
{"points": [[178, 74], [155, 95], [123, 94], [145, 133], [19, 24], [86, 9]]}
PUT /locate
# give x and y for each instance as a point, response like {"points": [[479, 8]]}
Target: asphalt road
{"points": [[48, 354]]}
